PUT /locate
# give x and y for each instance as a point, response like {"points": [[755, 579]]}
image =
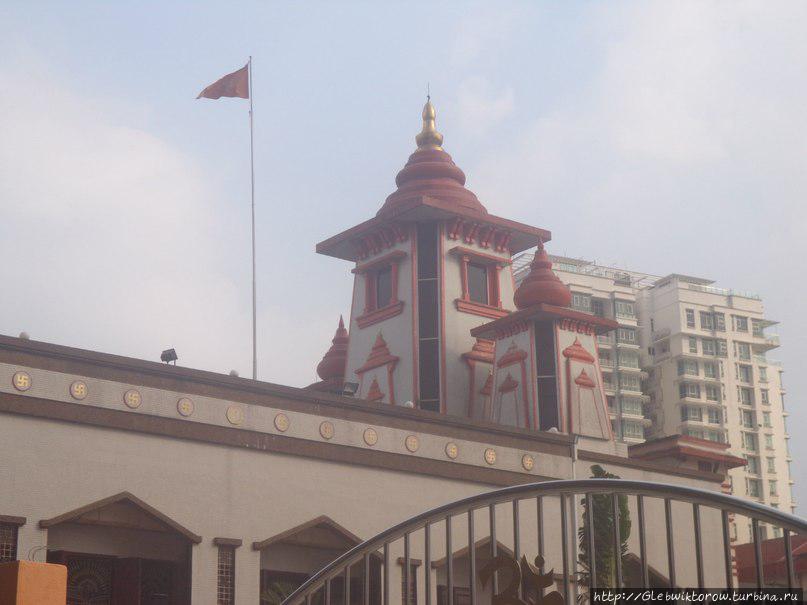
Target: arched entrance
{"points": [[122, 551], [291, 557]]}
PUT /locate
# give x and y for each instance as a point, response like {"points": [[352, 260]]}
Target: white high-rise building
{"points": [[689, 358]]}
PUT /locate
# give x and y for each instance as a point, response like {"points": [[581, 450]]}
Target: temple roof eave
{"points": [[543, 311], [426, 208]]}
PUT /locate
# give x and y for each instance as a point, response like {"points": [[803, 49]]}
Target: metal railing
{"points": [[683, 539]]}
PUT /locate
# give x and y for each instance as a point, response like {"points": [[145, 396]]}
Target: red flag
{"points": [[235, 84]]}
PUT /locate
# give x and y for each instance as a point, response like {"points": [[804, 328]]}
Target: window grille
{"points": [[225, 581], [8, 542]]}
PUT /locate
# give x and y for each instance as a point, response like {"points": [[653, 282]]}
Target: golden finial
{"points": [[429, 138]]}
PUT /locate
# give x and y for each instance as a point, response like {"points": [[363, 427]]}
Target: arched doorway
{"points": [[122, 551]]}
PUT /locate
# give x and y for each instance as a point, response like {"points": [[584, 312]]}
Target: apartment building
{"points": [[689, 358]]}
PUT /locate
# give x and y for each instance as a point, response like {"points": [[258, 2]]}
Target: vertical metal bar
{"points": [[592, 560], [386, 573], [791, 576], [516, 532], [617, 542], [539, 510], [347, 584], [516, 538], [328, 591], [366, 578], [308, 599], [727, 549], [668, 523], [428, 562], [564, 533], [575, 548], [642, 542], [472, 556], [696, 523], [449, 564], [758, 553], [493, 545], [406, 570]]}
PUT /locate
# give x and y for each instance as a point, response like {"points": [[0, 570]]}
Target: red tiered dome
{"points": [[333, 364], [431, 172], [542, 285]]}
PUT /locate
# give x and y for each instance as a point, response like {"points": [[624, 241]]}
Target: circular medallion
{"points": [[235, 414], [370, 436], [21, 381], [452, 451], [326, 430], [78, 389], [132, 399], [490, 456], [282, 422], [527, 461], [412, 443], [185, 406]]}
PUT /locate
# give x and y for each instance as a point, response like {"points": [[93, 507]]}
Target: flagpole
{"points": [[252, 177]]}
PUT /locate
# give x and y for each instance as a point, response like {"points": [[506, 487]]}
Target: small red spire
{"points": [[374, 394], [542, 285], [333, 363]]}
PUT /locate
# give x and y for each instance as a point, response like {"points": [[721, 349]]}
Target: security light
{"points": [[168, 356]]}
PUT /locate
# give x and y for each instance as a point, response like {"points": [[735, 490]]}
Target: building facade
{"points": [[698, 356], [154, 483]]}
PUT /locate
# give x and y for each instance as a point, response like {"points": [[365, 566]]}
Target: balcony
{"points": [[766, 343], [605, 340]]}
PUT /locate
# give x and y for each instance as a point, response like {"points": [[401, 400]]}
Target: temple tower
{"points": [[546, 374], [430, 266]]}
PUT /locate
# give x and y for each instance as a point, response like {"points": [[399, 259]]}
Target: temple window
{"points": [[381, 288], [479, 278], [478, 290]]}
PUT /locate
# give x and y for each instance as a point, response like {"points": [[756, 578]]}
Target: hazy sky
{"points": [[659, 136]]}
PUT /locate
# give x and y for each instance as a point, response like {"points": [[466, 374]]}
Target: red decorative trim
{"points": [[374, 394], [476, 308], [379, 356], [373, 317], [485, 236], [542, 312], [511, 356], [395, 256], [481, 257], [577, 352], [470, 235], [502, 242], [509, 384], [483, 350], [422, 208], [487, 388], [453, 232], [573, 325], [374, 241], [584, 380], [492, 264]]}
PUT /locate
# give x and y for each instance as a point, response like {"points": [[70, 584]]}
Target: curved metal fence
{"points": [[555, 541]]}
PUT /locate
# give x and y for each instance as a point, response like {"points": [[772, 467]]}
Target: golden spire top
{"points": [[429, 138]]}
